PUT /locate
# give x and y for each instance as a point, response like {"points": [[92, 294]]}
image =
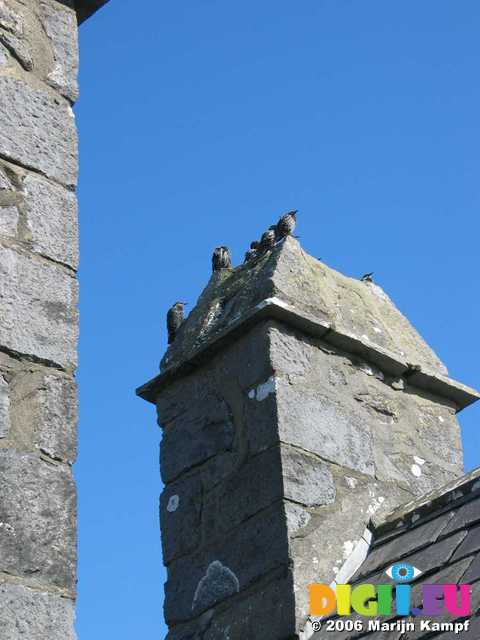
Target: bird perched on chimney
{"points": [[268, 240], [286, 224], [274, 228], [368, 277], [221, 258], [252, 253], [175, 319]]}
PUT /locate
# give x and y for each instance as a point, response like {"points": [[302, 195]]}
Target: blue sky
{"points": [[200, 122]]}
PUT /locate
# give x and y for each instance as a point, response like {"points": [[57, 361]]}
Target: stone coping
{"points": [[274, 308], [85, 8]]}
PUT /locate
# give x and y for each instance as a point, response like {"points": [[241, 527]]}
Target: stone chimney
{"points": [[296, 405]]}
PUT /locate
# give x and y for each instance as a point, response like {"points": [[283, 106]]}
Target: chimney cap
{"points": [[85, 8], [296, 289]]}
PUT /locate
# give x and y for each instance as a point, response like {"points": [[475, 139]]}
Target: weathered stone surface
{"points": [[8, 221], [180, 517], [386, 430], [306, 479], [44, 413], [249, 487], [267, 612], [34, 615], [9, 19], [61, 27], [322, 542], [195, 439], [3, 56], [37, 130], [52, 219], [19, 48], [354, 308], [5, 182], [8, 210], [39, 313], [248, 554], [314, 423], [37, 512], [4, 408]]}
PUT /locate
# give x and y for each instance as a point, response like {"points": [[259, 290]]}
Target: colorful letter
{"points": [[343, 592], [451, 599], [403, 599], [384, 592], [322, 600], [363, 600], [432, 603]]}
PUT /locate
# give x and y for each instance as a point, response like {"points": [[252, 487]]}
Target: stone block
{"points": [[267, 612], [252, 486], [38, 516], [203, 431], [10, 19], [37, 130], [322, 538], [306, 479], [8, 221], [51, 212], [226, 566], [19, 47], [39, 308], [180, 517], [257, 483], [3, 56], [35, 615], [45, 413], [313, 422], [5, 182], [60, 24], [261, 426], [4, 408]]}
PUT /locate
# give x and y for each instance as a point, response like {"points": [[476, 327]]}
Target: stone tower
{"points": [[38, 315], [296, 405]]}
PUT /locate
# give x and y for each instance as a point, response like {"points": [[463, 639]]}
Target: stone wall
{"points": [[38, 318]]}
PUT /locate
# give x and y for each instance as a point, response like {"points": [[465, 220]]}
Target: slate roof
{"points": [[438, 534]]}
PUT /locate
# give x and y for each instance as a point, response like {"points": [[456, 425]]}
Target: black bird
{"points": [[268, 240], [286, 224], [274, 228], [221, 258], [255, 245], [251, 254], [175, 318], [368, 277]]}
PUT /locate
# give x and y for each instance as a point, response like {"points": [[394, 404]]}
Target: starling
{"points": [[175, 318], [255, 245], [368, 277], [268, 240], [221, 258], [274, 228], [286, 224], [251, 254]]}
